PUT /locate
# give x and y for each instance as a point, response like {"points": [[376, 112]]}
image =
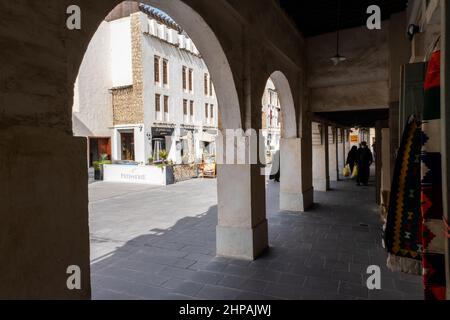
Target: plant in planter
{"points": [[98, 166], [163, 155], [150, 161], [166, 165]]}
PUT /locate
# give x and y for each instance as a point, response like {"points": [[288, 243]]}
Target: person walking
{"points": [[275, 169], [365, 160], [352, 158]]}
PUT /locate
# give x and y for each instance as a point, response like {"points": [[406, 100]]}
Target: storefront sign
{"points": [[162, 132], [152, 175]]}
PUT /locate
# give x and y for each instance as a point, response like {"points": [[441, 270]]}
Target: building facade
{"points": [[143, 88], [271, 119]]}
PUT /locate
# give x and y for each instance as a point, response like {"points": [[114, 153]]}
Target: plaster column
{"points": [[44, 217], [242, 225], [296, 192], [347, 143], [333, 154], [340, 150], [385, 166], [321, 175], [242, 230]]}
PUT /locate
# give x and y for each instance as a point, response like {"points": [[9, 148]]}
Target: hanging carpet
{"points": [[402, 232], [433, 227]]}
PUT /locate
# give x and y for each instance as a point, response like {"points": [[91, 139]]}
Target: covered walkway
{"points": [[322, 254]]}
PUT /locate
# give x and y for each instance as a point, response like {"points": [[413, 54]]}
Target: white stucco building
{"points": [[271, 118], [144, 87]]}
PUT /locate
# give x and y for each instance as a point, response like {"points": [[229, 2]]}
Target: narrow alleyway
{"points": [[322, 254]]}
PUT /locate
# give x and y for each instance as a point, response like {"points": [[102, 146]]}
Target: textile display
{"points": [[402, 232], [433, 227]]}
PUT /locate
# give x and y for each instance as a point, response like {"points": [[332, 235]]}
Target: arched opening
{"points": [[148, 96], [279, 126], [278, 114], [289, 118]]}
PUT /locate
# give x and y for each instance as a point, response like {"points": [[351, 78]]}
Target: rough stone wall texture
{"points": [[128, 103], [185, 172], [124, 107]]}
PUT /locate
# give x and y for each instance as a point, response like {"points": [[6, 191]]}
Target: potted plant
{"points": [[98, 166], [167, 166]]}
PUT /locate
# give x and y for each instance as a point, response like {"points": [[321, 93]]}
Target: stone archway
{"points": [[289, 118], [212, 53], [294, 194], [214, 56], [47, 193]]}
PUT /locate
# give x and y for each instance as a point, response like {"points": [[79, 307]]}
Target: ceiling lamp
{"points": [[338, 58]]}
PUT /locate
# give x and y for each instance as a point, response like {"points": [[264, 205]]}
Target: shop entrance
{"points": [[98, 148], [127, 146]]}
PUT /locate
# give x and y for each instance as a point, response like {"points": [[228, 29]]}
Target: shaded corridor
{"points": [[322, 254]]}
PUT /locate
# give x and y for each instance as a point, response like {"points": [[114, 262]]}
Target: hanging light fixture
{"points": [[338, 58]]}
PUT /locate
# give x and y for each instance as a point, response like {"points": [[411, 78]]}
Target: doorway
{"points": [[127, 146], [98, 148]]}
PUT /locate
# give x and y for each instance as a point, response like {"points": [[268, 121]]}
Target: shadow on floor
{"points": [[322, 254]]}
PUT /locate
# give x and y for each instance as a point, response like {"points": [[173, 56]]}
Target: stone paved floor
{"points": [[165, 240]]}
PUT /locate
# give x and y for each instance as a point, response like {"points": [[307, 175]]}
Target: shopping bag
{"points": [[346, 171], [355, 172]]}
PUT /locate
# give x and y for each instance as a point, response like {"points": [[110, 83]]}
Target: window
{"points": [[206, 84], [191, 107], [158, 115], [166, 108], [184, 78], [211, 114], [210, 87], [156, 65], [127, 145], [165, 72], [206, 113], [191, 80], [185, 111]]}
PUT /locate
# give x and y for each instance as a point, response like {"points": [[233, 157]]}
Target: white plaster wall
{"points": [[362, 82], [108, 64], [275, 132], [139, 142], [177, 59], [341, 157], [429, 19], [121, 55], [115, 145], [92, 111]]}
